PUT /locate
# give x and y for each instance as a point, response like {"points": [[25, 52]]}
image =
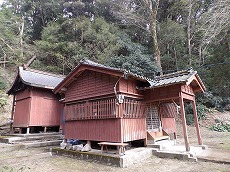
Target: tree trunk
{"points": [[189, 31], [21, 36], [157, 54]]}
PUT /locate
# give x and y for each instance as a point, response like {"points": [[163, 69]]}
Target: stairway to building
{"points": [[170, 149]]}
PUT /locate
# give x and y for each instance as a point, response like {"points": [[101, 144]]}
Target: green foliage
{"points": [[2, 83], [221, 127], [64, 44], [173, 48], [133, 57], [201, 113], [3, 102]]}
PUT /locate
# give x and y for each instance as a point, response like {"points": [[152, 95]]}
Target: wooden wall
{"points": [[37, 107], [163, 93], [106, 129], [45, 108], [96, 130], [90, 84], [129, 87]]}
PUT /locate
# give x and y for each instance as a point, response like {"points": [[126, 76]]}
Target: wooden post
{"points": [[196, 122], [28, 130], [12, 114], [182, 111], [45, 129]]}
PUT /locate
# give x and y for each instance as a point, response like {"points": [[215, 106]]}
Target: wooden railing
{"points": [[105, 108], [133, 108]]}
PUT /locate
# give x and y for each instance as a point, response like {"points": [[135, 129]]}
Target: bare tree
{"points": [[215, 21], [143, 14]]}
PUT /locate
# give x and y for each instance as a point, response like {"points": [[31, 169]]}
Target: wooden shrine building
{"points": [[35, 107], [108, 104]]}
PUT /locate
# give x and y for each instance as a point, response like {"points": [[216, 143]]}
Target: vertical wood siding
{"points": [[168, 110], [45, 109], [133, 108], [22, 113], [90, 84], [169, 125], [133, 129], [164, 93], [129, 87], [95, 130], [22, 94]]}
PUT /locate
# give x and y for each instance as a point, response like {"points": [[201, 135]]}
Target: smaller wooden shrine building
{"points": [[109, 104], [35, 106]]}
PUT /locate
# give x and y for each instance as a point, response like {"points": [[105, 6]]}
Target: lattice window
{"points": [[152, 117], [133, 108]]}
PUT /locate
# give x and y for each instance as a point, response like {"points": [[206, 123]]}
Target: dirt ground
{"points": [[39, 160]]}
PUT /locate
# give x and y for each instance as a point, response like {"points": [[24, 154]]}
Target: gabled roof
{"points": [[185, 76], [35, 78], [90, 65]]}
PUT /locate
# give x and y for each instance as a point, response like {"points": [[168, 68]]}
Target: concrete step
{"points": [[175, 155], [161, 144], [33, 144], [31, 137]]}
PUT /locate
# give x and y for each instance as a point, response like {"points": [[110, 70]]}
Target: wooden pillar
{"points": [[196, 122], [12, 114], [182, 111]]}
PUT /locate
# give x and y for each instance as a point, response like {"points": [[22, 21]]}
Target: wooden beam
{"points": [[185, 132], [196, 122]]}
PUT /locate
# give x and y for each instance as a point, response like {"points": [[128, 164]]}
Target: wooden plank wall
{"points": [[22, 113], [94, 130], [90, 84]]}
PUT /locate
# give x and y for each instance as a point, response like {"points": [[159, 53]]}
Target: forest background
{"points": [[147, 37]]}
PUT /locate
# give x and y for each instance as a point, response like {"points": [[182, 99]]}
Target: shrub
{"points": [[201, 113], [221, 127], [3, 102]]}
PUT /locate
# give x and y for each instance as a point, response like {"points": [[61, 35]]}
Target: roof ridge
{"points": [[178, 73], [43, 72]]}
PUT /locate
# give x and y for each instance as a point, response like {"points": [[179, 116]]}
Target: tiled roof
{"points": [[91, 63], [172, 78], [39, 78], [36, 78]]}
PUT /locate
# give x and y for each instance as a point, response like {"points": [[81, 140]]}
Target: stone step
{"points": [[161, 144], [34, 144]]}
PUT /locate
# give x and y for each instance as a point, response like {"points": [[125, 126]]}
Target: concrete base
{"points": [[132, 156]]}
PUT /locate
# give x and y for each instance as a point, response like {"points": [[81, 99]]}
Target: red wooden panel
{"points": [[169, 125], [45, 112], [187, 89], [163, 93], [129, 87], [94, 130], [133, 129], [90, 84], [22, 94], [38, 92], [22, 111], [168, 110]]}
